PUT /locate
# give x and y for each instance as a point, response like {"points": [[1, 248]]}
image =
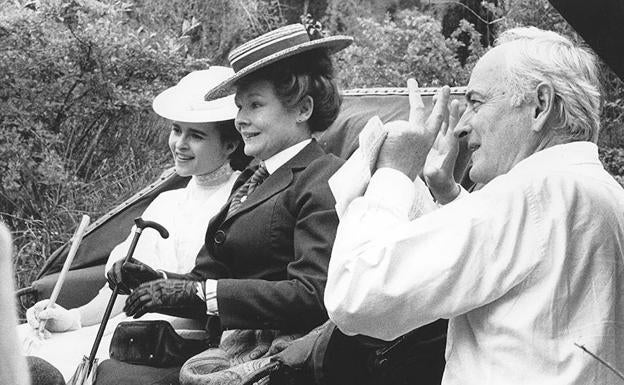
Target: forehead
{"points": [[205, 127], [259, 87], [489, 72]]}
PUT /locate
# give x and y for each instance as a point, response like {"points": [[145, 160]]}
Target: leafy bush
{"points": [[412, 45], [77, 132], [613, 160]]}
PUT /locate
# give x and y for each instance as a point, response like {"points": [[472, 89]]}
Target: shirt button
{"points": [[219, 237]]}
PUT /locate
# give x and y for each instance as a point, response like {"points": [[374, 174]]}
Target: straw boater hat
{"points": [[273, 46], [185, 102]]}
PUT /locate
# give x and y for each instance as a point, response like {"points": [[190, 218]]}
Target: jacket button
{"points": [[219, 237]]}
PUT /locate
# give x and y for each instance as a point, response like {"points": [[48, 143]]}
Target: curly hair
{"points": [[309, 73]]}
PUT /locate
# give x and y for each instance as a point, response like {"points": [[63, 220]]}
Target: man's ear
{"points": [[544, 105], [304, 109]]}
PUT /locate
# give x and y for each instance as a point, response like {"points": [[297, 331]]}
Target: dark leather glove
{"points": [[129, 275], [168, 296]]}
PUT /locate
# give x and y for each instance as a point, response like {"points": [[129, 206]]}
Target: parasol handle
{"points": [[76, 240]]}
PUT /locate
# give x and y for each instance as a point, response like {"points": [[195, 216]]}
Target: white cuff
{"points": [[211, 297], [392, 189]]}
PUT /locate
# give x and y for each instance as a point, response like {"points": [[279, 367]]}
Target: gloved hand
{"points": [[281, 342], [58, 318], [129, 275], [168, 296]]}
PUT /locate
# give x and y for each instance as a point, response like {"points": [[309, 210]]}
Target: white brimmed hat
{"points": [[185, 102], [273, 46]]}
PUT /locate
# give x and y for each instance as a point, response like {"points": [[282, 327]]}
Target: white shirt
{"points": [[185, 213], [524, 268], [272, 164]]}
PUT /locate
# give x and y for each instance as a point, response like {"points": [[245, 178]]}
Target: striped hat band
{"points": [[268, 44]]}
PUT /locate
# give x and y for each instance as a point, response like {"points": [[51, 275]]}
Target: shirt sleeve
{"points": [[445, 263]]}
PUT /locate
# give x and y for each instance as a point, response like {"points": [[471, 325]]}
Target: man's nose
{"points": [[463, 126]]}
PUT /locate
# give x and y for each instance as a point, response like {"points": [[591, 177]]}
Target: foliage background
{"points": [[77, 77]]}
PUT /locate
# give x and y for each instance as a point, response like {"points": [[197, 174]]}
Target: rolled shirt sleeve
{"points": [[389, 275]]}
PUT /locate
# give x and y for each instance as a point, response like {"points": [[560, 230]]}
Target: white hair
{"points": [[544, 56]]}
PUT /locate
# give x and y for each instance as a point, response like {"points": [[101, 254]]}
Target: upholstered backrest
{"points": [[340, 139]]}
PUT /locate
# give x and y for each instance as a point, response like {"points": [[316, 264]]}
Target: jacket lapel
{"points": [[281, 178]]}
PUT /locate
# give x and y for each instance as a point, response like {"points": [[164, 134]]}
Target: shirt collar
{"points": [[279, 159], [562, 154]]}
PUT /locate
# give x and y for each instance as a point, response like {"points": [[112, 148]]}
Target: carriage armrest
{"points": [[80, 286]]}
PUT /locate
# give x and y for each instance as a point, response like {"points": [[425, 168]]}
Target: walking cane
{"points": [[85, 373]]}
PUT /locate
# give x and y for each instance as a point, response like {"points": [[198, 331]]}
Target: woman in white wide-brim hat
{"points": [[205, 146], [264, 264]]}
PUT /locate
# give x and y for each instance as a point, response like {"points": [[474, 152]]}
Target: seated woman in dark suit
{"points": [[265, 257]]}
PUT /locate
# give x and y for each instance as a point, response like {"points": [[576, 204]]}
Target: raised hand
{"points": [[440, 163], [408, 142], [58, 318], [168, 296], [130, 275]]}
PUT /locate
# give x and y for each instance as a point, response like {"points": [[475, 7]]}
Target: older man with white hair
{"points": [[526, 268]]}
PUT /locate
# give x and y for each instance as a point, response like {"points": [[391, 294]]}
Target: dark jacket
{"points": [[271, 256]]}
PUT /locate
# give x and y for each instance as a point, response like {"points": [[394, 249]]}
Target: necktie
{"points": [[246, 189]]}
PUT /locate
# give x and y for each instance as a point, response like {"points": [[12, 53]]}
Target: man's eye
{"points": [[474, 104], [255, 105]]}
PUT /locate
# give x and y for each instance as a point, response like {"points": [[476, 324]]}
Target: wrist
{"points": [[445, 193], [76, 319], [410, 169]]}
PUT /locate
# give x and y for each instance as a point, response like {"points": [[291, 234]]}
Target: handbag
{"points": [[153, 343]]}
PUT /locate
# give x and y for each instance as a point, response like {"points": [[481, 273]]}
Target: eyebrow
{"points": [[199, 132], [472, 93], [251, 95]]}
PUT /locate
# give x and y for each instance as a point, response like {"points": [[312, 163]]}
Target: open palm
{"points": [[440, 162]]}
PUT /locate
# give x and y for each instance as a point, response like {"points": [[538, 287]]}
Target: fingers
{"points": [[114, 278], [33, 313], [132, 269], [32, 316], [141, 312], [417, 107], [454, 114], [279, 345], [259, 351], [49, 314], [139, 299], [439, 113], [457, 111], [135, 273], [445, 124]]}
